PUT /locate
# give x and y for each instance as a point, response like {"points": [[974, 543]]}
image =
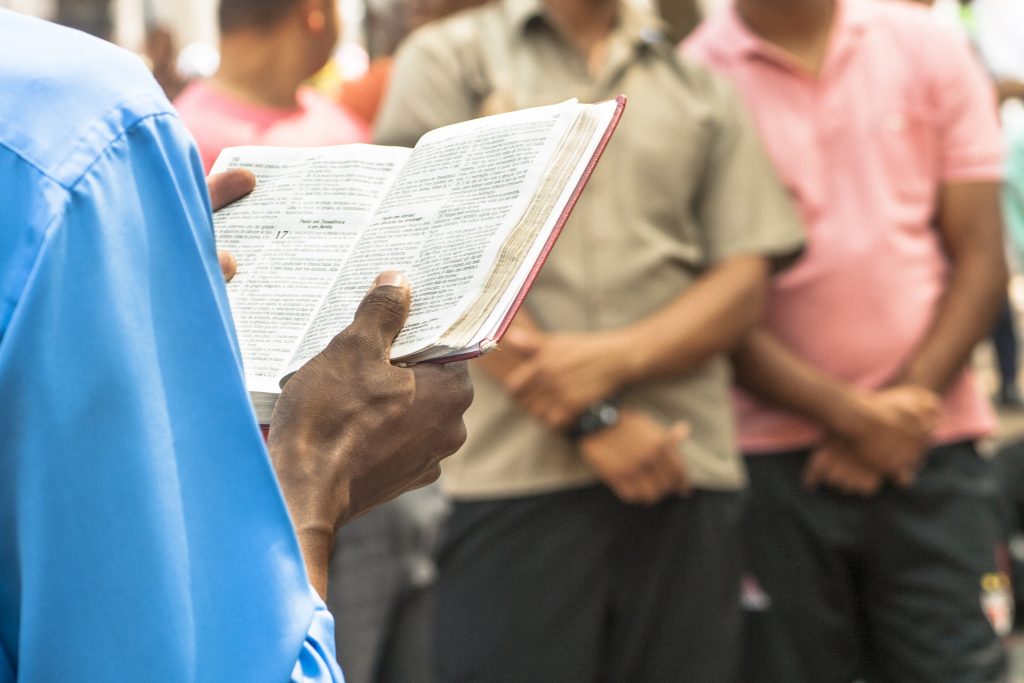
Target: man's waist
{"points": [[967, 415]]}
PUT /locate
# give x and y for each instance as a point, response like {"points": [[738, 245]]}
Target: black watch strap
{"points": [[600, 415]]}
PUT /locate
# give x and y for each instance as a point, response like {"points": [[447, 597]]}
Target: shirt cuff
{"points": [[317, 662]]}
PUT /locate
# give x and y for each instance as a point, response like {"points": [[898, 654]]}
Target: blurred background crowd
{"points": [[243, 73]]}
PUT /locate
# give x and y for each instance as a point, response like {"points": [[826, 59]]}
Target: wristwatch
{"points": [[600, 415]]}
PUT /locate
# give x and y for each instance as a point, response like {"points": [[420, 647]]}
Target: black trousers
{"points": [[1004, 339], [888, 588], [577, 586]]}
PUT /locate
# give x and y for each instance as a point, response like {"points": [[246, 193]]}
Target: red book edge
{"points": [[518, 302]]}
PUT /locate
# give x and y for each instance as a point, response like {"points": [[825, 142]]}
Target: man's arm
{"points": [[893, 424], [897, 421], [563, 373], [338, 415], [968, 213], [971, 227], [555, 376], [138, 468], [351, 430], [741, 241]]}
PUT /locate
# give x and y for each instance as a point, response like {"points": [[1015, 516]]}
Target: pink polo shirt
{"points": [[898, 109], [218, 120]]}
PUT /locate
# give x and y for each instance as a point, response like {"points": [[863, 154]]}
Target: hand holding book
{"points": [[468, 215]]}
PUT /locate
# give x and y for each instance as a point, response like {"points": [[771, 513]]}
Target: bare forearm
{"points": [[556, 376], [316, 552], [314, 527], [708, 319], [769, 371], [972, 230], [965, 317]]}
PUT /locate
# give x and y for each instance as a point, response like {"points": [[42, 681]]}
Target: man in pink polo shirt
{"points": [[268, 48], [873, 531]]}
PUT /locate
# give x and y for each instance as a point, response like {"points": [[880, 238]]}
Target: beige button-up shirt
{"points": [[683, 185]]}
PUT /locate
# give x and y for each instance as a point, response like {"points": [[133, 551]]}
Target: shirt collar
{"points": [[521, 12], [636, 25], [732, 38]]}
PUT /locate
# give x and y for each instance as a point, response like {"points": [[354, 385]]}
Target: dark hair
{"points": [[236, 14]]}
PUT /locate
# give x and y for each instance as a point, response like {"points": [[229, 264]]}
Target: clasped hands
{"points": [[883, 434], [556, 377]]}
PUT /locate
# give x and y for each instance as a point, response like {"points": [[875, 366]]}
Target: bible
{"points": [[469, 215]]}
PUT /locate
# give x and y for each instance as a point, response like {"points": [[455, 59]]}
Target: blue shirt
{"points": [[143, 536]]}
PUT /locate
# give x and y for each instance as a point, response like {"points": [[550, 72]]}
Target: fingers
{"points": [[443, 394], [644, 490], [523, 340], [525, 343], [521, 377], [838, 469], [921, 407], [905, 478], [383, 312], [664, 474], [853, 479], [228, 265], [814, 470], [226, 187]]}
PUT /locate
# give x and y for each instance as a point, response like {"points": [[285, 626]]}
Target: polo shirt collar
{"points": [[732, 39]]}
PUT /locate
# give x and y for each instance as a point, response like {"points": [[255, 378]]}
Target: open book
{"points": [[469, 215]]}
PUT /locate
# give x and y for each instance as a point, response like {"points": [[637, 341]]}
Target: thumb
{"points": [[226, 187], [384, 309]]}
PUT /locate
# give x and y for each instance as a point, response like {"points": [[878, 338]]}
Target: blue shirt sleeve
{"points": [[318, 662], [143, 536]]}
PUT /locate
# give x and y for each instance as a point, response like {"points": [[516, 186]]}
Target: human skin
{"points": [[885, 433], [350, 430]]}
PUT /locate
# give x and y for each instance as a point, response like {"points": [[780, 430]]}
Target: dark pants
{"points": [[381, 590], [1004, 339], [888, 588], [577, 586]]}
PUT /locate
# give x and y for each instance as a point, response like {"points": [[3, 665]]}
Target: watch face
{"points": [[597, 417], [608, 414]]}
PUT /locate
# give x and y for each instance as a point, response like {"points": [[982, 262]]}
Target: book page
{"points": [[526, 243], [291, 237], [444, 220]]}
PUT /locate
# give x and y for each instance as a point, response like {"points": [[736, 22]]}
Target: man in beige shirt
{"points": [[594, 530]]}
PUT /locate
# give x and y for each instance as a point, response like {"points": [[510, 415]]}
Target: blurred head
{"points": [[312, 24]]}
